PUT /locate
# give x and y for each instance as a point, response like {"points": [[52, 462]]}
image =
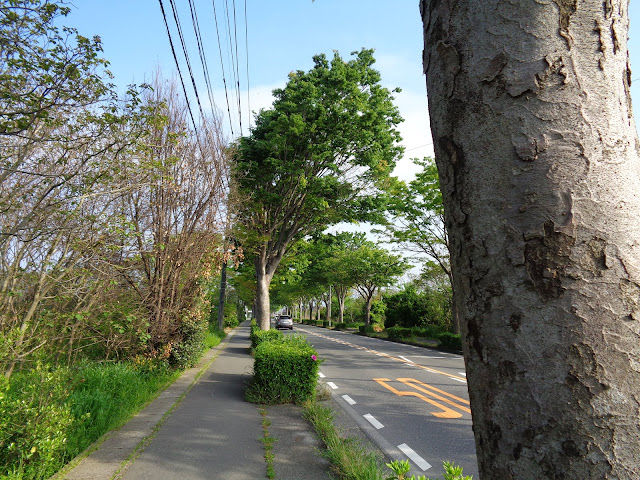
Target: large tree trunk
{"points": [[263, 304], [536, 149]]}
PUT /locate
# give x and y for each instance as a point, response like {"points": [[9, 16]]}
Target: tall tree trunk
{"points": [[263, 304], [536, 149]]}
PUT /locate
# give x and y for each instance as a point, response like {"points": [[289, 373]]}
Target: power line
{"points": [[232, 57], [246, 43], [175, 58], [186, 55], [224, 79], [201, 51]]}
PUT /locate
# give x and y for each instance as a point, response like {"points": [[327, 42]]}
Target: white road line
{"points": [[349, 400], [458, 380], [462, 373], [321, 375], [332, 385], [373, 421], [405, 359], [417, 459]]}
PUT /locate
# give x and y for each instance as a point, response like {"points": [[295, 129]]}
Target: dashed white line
{"points": [[321, 375], [405, 359], [458, 379], [332, 385], [349, 400], [373, 421], [462, 373], [417, 459]]}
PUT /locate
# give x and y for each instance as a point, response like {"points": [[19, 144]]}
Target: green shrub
{"points": [[399, 333], [325, 323], [35, 423], [231, 322], [188, 350], [258, 336], [284, 371], [340, 326], [365, 330], [450, 340]]}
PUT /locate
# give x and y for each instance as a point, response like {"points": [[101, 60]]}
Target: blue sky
{"points": [[283, 35]]}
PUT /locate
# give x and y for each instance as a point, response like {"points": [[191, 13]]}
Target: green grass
{"points": [[350, 459], [106, 395], [214, 336]]}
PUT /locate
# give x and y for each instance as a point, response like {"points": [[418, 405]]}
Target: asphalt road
{"points": [[411, 401]]}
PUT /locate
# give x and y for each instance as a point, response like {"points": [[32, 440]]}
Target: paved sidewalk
{"points": [[202, 428]]}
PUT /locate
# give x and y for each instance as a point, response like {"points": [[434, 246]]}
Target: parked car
{"points": [[284, 321]]}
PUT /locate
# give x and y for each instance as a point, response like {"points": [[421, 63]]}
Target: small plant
{"points": [[268, 441], [400, 468]]}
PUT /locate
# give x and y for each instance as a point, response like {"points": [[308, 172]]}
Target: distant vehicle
{"points": [[284, 321]]}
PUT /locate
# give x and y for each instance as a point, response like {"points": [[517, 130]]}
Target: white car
{"points": [[284, 321]]}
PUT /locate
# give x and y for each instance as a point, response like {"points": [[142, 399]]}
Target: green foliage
{"points": [[258, 336], [284, 371], [35, 423], [45, 72], [105, 395], [294, 175], [413, 308], [214, 336], [187, 351], [378, 309], [349, 457], [450, 340], [400, 468]]}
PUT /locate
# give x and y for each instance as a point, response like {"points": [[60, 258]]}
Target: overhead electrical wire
{"points": [[224, 78], [232, 58], [201, 52], [186, 55], [175, 58], [246, 43]]}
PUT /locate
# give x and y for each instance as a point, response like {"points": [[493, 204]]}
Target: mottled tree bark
{"points": [[537, 153]]}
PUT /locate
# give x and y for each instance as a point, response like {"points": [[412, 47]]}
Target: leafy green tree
{"points": [[416, 220], [374, 268], [318, 157], [45, 74]]}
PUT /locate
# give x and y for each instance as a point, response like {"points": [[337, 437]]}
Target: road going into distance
{"points": [[411, 401]]}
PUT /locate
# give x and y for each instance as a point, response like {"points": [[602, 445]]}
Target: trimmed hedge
{"points": [[450, 340], [259, 336], [284, 371]]}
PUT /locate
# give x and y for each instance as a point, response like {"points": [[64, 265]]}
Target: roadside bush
{"points": [[325, 323], [366, 330], [450, 340], [188, 350], [399, 333], [284, 371], [35, 423], [259, 336], [340, 326]]}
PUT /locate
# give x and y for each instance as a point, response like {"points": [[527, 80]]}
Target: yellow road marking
{"points": [[446, 411]]}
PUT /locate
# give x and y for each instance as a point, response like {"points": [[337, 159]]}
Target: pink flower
{"points": [[314, 358]]}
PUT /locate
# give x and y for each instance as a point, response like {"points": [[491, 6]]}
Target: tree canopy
{"points": [[321, 155]]}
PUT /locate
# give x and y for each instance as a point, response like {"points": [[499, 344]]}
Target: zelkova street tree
{"points": [[415, 221], [536, 147], [319, 156]]}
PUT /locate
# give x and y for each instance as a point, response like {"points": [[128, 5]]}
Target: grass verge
{"points": [[350, 459]]}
